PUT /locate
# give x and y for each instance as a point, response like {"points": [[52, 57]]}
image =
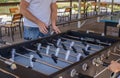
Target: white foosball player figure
{"points": [[13, 55], [47, 50], [67, 55], [58, 42], [57, 51], [78, 56], [31, 62]]}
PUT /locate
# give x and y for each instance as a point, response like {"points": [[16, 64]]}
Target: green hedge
{"points": [[9, 0]]}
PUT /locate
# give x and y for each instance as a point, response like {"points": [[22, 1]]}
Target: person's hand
{"points": [[43, 27], [56, 29], [114, 66]]}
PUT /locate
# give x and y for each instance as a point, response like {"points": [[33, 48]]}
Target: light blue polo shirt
{"points": [[40, 9]]}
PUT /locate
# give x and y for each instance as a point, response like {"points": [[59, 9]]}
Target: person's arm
{"points": [[114, 66], [26, 13], [54, 17]]}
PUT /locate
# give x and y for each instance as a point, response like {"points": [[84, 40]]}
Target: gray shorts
{"points": [[31, 33]]}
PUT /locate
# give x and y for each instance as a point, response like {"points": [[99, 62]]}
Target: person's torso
{"points": [[40, 9]]}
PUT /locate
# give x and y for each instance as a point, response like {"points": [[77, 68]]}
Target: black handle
{"points": [[85, 52], [38, 53], [74, 49], [55, 58], [64, 47]]}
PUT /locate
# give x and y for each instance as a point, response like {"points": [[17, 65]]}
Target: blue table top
{"points": [[113, 18]]}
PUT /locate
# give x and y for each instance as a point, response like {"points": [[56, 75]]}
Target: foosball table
{"points": [[67, 55]]}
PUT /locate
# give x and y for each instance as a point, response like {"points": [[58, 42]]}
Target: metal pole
{"points": [[84, 8], [79, 13], [39, 61], [70, 10], [112, 7], [98, 3], [95, 7], [98, 6]]}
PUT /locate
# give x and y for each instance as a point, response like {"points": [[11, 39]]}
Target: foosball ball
{"points": [[66, 55]]}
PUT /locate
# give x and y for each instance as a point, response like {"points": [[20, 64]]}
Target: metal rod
{"points": [[50, 56], [86, 40], [60, 52], [79, 13], [76, 40], [45, 63], [58, 42], [70, 10], [112, 7], [69, 47], [77, 44], [72, 43], [73, 55], [81, 43]]}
